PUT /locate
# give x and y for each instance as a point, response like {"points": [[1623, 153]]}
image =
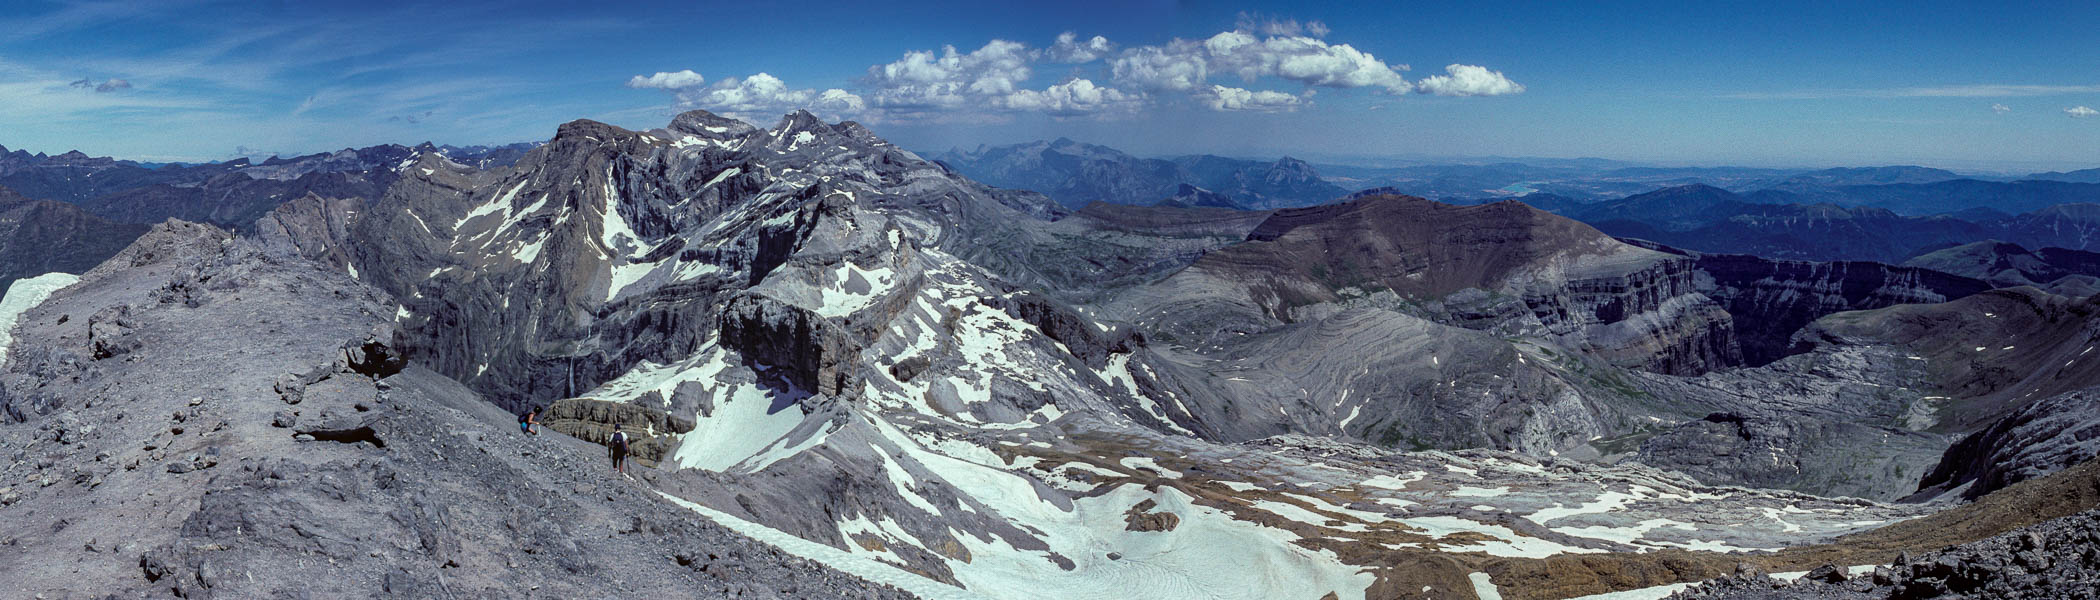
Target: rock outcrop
{"points": [[814, 354], [2056, 559], [1502, 267], [2049, 435]]}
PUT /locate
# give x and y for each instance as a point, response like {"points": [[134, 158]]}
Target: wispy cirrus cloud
{"points": [[102, 87], [275, 77], [1945, 91]]}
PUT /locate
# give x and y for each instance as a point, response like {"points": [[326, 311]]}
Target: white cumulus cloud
{"points": [[1070, 49], [2000, 108], [1179, 66], [674, 80], [999, 78], [1072, 98], [1184, 65], [2080, 112], [1224, 98], [760, 96], [925, 80], [839, 101], [1469, 80]]}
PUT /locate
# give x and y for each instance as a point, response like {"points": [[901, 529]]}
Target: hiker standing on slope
{"points": [[617, 447], [530, 420]]}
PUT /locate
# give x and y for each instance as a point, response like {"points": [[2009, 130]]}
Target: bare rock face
{"points": [[171, 242], [1760, 447], [1502, 267], [1871, 401], [1140, 518], [1986, 355], [607, 247], [815, 353], [1062, 323], [312, 227], [2047, 436], [1772, 299], [648, 430], [1654, 319]]}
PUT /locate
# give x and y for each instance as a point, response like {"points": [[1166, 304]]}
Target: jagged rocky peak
{"points": [[172, 241], [1291, 169], [313, 227], [586, 132], [798, 130], [709, 125]]}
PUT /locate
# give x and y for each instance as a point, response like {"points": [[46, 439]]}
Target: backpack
{"points": [[619, 440], [524, 418]]}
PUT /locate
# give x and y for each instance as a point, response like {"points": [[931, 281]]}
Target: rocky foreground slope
{"points": [[204, 416], [2057, 559]]}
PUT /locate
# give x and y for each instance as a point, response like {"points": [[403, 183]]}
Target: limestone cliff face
{"points": [[2047, 436], [1504, 267], [814, 353], [1873, 399], [1653, 318], [1771, 299]]}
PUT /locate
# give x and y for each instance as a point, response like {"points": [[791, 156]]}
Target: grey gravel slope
{"points": [[186, 420]]}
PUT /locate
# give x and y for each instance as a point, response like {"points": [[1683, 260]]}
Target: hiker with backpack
{"points": [[529, 422], [617, 447]]}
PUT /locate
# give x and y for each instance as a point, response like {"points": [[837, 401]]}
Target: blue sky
{"points": [[1968, 85]]}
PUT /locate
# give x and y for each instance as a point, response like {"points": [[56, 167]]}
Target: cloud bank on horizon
{"points": [[1105, 79]]}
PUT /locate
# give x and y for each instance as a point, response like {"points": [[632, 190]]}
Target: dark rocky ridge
{"points": [[38, 237], [2061, 271], [233, 200], [1990, 353], [1776, 297]]}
